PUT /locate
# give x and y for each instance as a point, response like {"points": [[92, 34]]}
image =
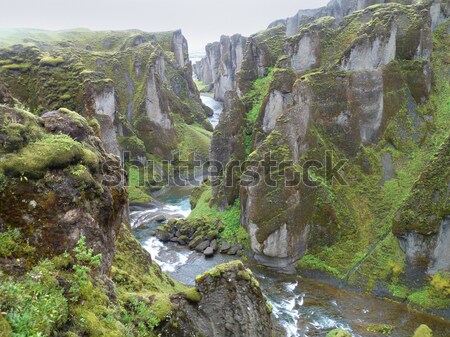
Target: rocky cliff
{"points": [[353, 106], [221, 306], [339, 9], [221, 68], [222, 62]]}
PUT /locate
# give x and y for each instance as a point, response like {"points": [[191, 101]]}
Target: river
{"points": [[302, 307]]}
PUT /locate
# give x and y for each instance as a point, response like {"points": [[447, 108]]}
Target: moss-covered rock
{"points": [[339, 333], [423, 331], [52, 184], [246, 314]]}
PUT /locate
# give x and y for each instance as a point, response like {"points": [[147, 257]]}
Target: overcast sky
{"points": [[202, 21]]}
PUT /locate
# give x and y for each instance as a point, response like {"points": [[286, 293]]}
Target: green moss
{"points": [[219, 270], [339, 333], [429, 298], [202, 87], [9, 242], [51, 152], [137, 191], [12, 244], [132, 144], [399, 291], [423, 331], [231, 229], [193, 295], [193, 139], [383, 329], [51, 61], [17, 67], [313, 263]]}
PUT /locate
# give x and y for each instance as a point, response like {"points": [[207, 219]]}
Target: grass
{"points": [[137, 192], [255, 99], [202, 87], [232, 231]]}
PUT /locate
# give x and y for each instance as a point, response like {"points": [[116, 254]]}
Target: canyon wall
{"points": [[353, 104]]}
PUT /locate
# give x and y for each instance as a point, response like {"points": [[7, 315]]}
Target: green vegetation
{"points": [[339, 333], [137, 179], [35, 306], [383, 329], [51, 61], [423, 331], [362, 250], [50, 152], [230, 229], [9, 242], [255, 99], [434, 296], [12, 244], [66, 295], [202, 87]]}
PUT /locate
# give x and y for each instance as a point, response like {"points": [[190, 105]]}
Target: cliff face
{"points": [[221, 68], [213, 314], [339, 9], [353, 106], [422, 223], [57, 184], [221, 64], [137, 85]]}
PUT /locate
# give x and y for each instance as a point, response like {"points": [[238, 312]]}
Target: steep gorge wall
{"points": [[221, 64], [221, 69], [371, 88]]}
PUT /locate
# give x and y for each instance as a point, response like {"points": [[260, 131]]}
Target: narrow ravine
{"points": [[302, 307]]}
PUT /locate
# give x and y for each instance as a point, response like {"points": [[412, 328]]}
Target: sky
{"points": [[202, 21]]}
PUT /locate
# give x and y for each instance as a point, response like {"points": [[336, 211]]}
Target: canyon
{"points": [[331, 129]]}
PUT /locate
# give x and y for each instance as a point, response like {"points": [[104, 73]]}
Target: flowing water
{"points": [[216, 106], [302, 307]]}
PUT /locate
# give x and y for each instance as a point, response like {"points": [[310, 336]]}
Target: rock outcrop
{"points": [[423, 223], [339, 9], [228, 303], [347, 102], [221, 64], [228, 150], [58, 183]]}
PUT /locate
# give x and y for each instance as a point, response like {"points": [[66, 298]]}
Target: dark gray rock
{"points": [[202, 246], [162, 235], [231, 305], [224, 247], [233, 250], [208, 252], [213, 245]]}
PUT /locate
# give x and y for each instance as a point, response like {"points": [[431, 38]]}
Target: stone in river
{"points": [[208, 252]]}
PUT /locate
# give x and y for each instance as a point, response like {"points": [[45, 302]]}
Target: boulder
{"points": [[162, 235], [231, 305], [224, 247], [202, 246], [208, 252], [213, 245], [339, 333]]}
